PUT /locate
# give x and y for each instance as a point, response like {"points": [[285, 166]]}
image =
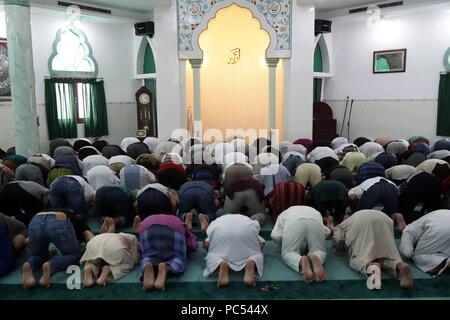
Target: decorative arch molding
{"points": [[140, 60], [274, 17], [85, 65], [447, 60], [321, 42]]}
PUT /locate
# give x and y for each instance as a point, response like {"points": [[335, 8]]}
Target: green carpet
{"points": [[342, 282]]}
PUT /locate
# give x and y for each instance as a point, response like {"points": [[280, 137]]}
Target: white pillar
{"points": [[196, 65], [299, 74], [21, 72], [272, 65], [171, 112]]}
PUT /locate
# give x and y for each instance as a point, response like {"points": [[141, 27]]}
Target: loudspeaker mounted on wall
{"points": [[322, 26], [145, 28]]}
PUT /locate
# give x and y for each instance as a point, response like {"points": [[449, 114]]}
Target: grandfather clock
{"points": [[145, 112]]}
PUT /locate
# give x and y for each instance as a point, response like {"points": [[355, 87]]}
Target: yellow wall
{"points": [[234, 96]]}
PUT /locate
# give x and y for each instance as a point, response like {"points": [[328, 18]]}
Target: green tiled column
{"points": [[21, 71]]}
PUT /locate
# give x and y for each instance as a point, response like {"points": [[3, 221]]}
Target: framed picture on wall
{"points": [[389, 61], [5, 85]]}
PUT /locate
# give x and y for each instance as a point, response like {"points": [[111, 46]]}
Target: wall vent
{"points": [[381, 6], [83, 7]]}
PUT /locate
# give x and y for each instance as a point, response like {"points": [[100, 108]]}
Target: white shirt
{"points": [[100, 176], [126, 160], [295, 154], [320, 153], [127, 141], [366, 185], [93, 161], [427, 240], [293, 214], [370, 148], [156, 186], [400, 172]]}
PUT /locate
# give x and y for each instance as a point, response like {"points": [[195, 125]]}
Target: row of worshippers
{"points": [[247, 195]]}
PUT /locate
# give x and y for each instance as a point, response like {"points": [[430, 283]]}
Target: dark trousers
{"points": [[68, 193], [15, 201], [7, 261], [383, 193], [113, 202], [423, 188], [153, 201], [46, 229], [199, 199], [335, 208]]}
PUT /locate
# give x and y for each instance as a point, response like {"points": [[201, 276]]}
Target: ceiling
{"points": [[128, 5], [147, 5], [327, 5]]}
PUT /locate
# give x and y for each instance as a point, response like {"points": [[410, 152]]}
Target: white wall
{"points": [[399, 104], [297, 110], [169, 83], [113, 50]]}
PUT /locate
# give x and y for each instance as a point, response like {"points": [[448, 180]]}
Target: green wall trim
{"points": [[149, 60], [318, 59], [72, 74], [24, 3], [447, 60]]}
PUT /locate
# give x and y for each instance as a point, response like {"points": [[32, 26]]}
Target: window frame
{"points": [[75, 82]]}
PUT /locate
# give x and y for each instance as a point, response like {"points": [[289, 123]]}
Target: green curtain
{"points": [[62, 121], [317, 87], [443, 121], [96, 115], [151, 85]]}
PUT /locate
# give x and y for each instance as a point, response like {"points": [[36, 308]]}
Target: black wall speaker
{"points": [[145, 28], [322, 26]]}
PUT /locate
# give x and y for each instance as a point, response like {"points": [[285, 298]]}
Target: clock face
{"points": [[144, 98]]}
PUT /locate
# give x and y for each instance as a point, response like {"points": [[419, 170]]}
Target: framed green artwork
{"points": [[389, 61]]}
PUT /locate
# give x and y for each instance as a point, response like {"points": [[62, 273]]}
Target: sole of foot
{"points": [[224, 278], [160, 283], [105, 226], [46, 274], [405, 276], [88, 278], [103, 279], [308, 275], [319, 272], [249, 277], [188, 220], [149, 277], [204, 224], [136, 223], [28, 280]]}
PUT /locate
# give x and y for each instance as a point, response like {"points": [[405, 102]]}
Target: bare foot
{"points": [[319, 272], [46, 274], [306, 269], [401, 224], [112, 226], [330, 223], [405, 276], [28, 280], [224, 277], [136, 223], [203, 222], [188, 220], [103, 279], [105, 225], [160, 283], [88, 278], [249, 277], [149, 277]]}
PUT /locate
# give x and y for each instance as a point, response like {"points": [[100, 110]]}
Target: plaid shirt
{"points": [[369, 170]]}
